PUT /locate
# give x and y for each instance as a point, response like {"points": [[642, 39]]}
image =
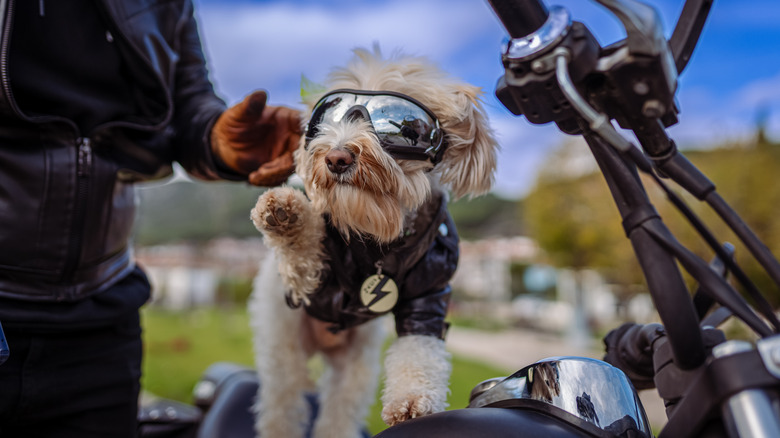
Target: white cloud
{"points": [[270, 45], [764, 91], [524, 148]]}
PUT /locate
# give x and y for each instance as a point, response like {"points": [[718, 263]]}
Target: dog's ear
{"points": [[469, 163]]}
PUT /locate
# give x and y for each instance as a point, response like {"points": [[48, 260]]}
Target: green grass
{"points": [[180, 346]]}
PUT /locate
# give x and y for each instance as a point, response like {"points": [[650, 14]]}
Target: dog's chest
{"points": [[365, 280]]}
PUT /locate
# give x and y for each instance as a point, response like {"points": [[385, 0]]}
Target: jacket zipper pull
{"points": [[85, 157]]}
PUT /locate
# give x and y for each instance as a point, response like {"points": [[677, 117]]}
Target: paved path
{"points": [[514, 349]]}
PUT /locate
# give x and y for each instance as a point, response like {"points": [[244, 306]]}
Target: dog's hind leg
{"points": [[349, 383], [281, 358]]}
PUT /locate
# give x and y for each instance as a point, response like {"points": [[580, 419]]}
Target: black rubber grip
{"points": [[520, 17]]}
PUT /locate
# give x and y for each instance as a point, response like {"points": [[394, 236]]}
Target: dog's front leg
{"points": [[348, 386], [294, 230], [280, 357], [417, 373]]}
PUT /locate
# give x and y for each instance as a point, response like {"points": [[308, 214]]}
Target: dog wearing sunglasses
{"points": [[383, 149]]}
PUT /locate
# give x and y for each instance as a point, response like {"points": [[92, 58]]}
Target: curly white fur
{"points": [[282, 408], [418, 371], [374, 197]]}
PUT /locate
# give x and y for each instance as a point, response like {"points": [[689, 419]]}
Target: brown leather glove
{"points": [[258, 140]]}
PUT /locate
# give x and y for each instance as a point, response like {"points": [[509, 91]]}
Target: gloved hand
{"points": [[258, 140], [630, 348]]}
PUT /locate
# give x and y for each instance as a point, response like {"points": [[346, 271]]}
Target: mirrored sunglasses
{"points": [[406, 129]]}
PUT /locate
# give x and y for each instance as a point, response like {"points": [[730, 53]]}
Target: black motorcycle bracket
{"points": [[712, 386]]}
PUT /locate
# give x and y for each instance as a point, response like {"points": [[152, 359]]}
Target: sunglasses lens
{"points": [[399, 122], [328, 110]]}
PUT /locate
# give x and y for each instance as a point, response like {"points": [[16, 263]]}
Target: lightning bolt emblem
{"points": [[379, 293]]}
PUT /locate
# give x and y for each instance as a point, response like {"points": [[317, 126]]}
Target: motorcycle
{"points": [[556, 71]]}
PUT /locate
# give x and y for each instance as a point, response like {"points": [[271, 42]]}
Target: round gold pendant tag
{"points": [[379, 293]]}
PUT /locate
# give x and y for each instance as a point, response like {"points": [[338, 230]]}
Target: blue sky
{"points": [[269, 44]]}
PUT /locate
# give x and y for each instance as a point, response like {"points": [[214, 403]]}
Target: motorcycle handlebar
{"points": [[520, 17]]}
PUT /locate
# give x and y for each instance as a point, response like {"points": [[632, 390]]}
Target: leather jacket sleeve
{"points": [[423, 308], [175, 100], [195, 106]]}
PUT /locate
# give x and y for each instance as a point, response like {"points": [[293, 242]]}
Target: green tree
{"points": [[573, 217], [194, 211], [745, 176], [487, 216]]}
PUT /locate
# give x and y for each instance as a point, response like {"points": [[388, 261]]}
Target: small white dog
{"points": [[371, 235]]}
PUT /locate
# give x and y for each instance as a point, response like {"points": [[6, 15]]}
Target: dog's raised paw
{"points": [[279, 217], [277, 211]]}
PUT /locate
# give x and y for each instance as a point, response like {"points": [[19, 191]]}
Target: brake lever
{"points": [[641, 67], [644, 32]]}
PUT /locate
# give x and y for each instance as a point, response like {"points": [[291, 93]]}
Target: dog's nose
{"points": [[338, 160]]}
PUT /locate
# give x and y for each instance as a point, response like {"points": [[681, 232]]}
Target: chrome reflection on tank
{"points": [[554, 29], [483, 386], [591, 390]]}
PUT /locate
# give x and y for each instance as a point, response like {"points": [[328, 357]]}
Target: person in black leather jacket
{"points": [[95, 96]]}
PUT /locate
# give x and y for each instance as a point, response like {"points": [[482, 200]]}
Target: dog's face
{"points": [[367, 177]]}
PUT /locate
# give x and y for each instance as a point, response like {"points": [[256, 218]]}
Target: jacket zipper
{"points": [[83, 159], [83, 173], [7, 25]]}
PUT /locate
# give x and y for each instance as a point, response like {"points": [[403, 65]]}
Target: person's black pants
{"points": [[79, 384]]}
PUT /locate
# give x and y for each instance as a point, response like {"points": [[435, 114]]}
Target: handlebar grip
{"points": [[520, 17]]}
